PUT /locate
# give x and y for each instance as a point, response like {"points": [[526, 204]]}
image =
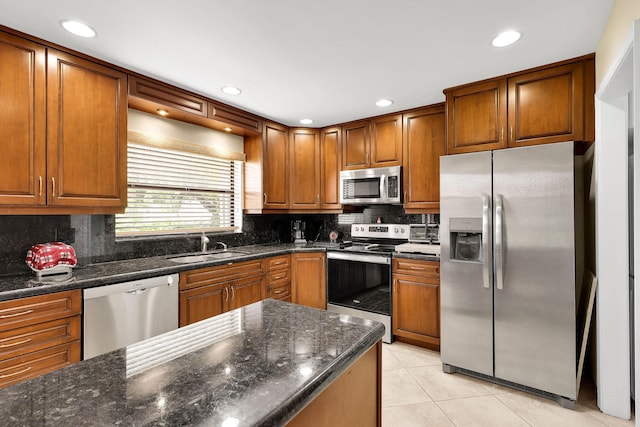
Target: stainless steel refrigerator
{"points": [[511, 265]]}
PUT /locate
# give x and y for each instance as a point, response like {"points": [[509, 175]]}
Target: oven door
{"points": [[359, 281]]}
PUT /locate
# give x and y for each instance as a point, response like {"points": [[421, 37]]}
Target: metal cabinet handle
{"points": [[53, 186], [501, 134], [226, 291], [499, 242], [486, 241], [233, 293], [15, 343], [22, 313], [278, 291], [511, 129], [264, 198], [40, 186], [318, 198], [405, 197], [16, 373]]}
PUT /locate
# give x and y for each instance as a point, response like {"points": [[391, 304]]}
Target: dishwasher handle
{"points": [[134, 288]]}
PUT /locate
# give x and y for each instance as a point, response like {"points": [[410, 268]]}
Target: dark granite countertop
{"points": [[257, 365], [107, 273]]}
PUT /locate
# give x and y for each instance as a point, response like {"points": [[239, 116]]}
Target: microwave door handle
{"points": [[383, 187]]}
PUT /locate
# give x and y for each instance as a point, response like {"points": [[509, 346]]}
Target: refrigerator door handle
{"points": [[499, 243], [486, 241]]}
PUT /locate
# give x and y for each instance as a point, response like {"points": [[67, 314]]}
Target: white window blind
{"points": [[176, 191]]}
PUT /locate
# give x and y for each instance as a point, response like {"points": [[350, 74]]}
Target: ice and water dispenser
{"points": [[466, 239]]}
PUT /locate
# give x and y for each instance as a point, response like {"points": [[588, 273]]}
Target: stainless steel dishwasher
{"points": [[122, 314]]}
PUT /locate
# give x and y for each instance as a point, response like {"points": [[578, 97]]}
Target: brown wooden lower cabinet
{"points": [[416, 302], [308, 279], [39, 335], [278, 282], [207, 292], [353, 399]]}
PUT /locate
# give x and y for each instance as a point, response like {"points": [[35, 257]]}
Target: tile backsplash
{"points": [[93, 236]]}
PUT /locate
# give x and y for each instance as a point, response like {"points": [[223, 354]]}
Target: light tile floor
{"points": [[415, 392]]}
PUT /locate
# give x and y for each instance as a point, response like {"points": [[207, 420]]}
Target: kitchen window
{"points": [[179, 187]]}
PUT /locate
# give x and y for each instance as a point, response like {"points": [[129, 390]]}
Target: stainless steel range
{"points": [[359, 276]]}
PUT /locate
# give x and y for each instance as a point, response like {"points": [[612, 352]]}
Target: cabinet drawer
{"points": [[426, 269], [279, 276], [38, 363], [16, 342], [279, 292], [224, 273], [275, 262], [29, 311]]}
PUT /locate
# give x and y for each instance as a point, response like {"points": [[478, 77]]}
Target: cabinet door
{"points": [[355, 145], [424, 143], [203, 302], [386, 141], [275, 173], [416, 312], [547, 106], [330, 162], [87, 133], [22, 113], [245, 291], [304, 169], [477, 117], [308, 279]]}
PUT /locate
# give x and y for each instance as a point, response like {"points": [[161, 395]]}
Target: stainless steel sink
{"points": [[188, 259]]}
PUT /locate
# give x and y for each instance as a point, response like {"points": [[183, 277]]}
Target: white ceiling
{"points": [[328, 60]]}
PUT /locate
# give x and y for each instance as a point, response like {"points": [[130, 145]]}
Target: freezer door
{"points": [[466, 298], [534, 296]]}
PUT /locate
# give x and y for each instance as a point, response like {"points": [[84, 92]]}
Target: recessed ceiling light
{"points": [[161, 112], [230, 90], [384, 102], [505, 38], [78, 28], [306, 121]]}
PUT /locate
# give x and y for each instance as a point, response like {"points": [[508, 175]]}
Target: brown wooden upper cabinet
{"points": [[549, 104], [64, 132], [266, 182], [424, 143], [304, 169], [372, 143], [150, 96], [87, 133], [330, 162]]}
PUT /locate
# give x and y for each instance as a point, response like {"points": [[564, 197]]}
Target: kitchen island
{"points": [[268, 363]]}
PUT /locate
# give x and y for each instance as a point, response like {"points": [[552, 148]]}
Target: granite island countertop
{"points": [[107, 273], [257, 365]]}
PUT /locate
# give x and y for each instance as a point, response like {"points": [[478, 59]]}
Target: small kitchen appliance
{"points": [[51, 259], [423, 239], [298, 229]]}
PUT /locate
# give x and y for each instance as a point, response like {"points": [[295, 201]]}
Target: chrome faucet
{"points": [[203, 242], [224, 245]]}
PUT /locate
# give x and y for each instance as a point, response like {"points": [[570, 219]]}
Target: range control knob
{"points": [[395, 230], [402, 230]]}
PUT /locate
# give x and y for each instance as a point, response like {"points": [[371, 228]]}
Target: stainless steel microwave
{"points": [[371, 186]]}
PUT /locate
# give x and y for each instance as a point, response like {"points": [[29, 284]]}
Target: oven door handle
{"points": [[373, 259]]}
